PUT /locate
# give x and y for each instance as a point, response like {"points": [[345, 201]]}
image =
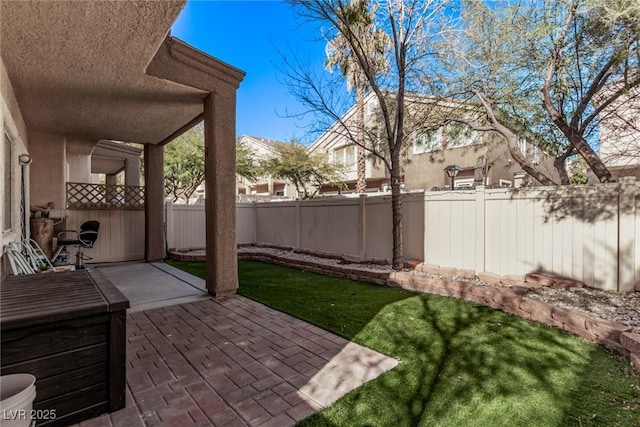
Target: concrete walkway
{"points": [[153, 285], [229, 361]]}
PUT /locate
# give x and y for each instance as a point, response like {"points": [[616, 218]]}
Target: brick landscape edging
{"points": [[184, 255], [611, 335], [508, 298]]}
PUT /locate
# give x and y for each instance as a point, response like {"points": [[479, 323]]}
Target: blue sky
{"points": [[249, 36]]}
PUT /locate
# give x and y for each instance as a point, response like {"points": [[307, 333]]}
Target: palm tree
{"points": [[357, 22]]}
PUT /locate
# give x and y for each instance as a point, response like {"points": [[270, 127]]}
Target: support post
{"points": [[220, 203], [255, 222], [480, 238], [131, 179], [362, 224], [154, 202], [628, 257], [298, 225], [170, 221], [111, 180]]}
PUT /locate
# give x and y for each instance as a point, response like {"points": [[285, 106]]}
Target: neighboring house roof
{"points": [[266, 141], [260, 146]]}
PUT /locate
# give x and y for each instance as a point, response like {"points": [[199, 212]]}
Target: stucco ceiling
{"points": [[78, 68]]}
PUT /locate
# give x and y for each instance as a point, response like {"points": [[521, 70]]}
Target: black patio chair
{"points": [[85, 238]]}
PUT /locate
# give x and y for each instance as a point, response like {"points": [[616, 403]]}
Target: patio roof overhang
{"points": [[80, 69]]}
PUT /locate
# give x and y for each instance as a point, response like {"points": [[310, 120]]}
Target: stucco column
{"points": [[79, 160], [48, 184], [220, 203], [131, 178], [132, 171], [111, 180], [154, 202]]}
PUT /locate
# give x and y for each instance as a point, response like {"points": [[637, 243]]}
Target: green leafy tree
{"points": [[578, 171], [307, 172], [551, 71], [246, 166], [184, 164]]}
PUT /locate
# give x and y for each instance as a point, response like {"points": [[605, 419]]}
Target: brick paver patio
{"points": [[234, 362]]}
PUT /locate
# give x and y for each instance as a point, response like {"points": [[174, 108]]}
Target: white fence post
{"points": [[169, 223], [481, 226], [626, 232], [255, 222], [298, 224], [362, 224]]}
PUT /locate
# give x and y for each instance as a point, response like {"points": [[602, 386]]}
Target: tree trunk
{"points": [[188, 194], [361, 184], [514, 150], [560, 164], [512, 143], [396, 213], [595, 163], [575, 138]]}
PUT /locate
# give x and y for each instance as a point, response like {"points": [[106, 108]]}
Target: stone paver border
{"points": [[508, 297]]}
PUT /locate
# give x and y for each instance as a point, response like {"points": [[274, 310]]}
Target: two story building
{"points": [[267, 186], [483, 157]]}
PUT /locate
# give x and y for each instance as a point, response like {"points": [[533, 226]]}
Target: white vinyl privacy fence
{"points": [[587, 233]]}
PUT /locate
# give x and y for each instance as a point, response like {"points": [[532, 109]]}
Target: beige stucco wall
{"points": [[620, 137], [48, 169], [628, 170], [78, 154], [426, 170], [501, 167], [504, 167], [11, 122], [375, 168]]}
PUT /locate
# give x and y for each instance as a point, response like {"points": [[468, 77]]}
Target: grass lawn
{"points": [[462, 364]]}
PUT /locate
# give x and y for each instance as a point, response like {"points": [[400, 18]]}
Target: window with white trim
{"points": [[371, 107], [7, 207], [536, 155], [522, 142], [463, 182], [505, 183], [338, 156], [428, 140], [350, 156], [460, 135]]}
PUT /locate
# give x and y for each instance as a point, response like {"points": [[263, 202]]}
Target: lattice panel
{"points": [[100, 196]]}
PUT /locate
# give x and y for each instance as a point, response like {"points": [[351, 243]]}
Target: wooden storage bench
{"points": [[67, 329]]}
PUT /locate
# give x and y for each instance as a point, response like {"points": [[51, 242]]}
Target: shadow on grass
{"points": [[462, 364], [471, 365]]}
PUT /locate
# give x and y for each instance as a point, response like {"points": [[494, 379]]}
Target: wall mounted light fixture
{"points": [[24, 159]]}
